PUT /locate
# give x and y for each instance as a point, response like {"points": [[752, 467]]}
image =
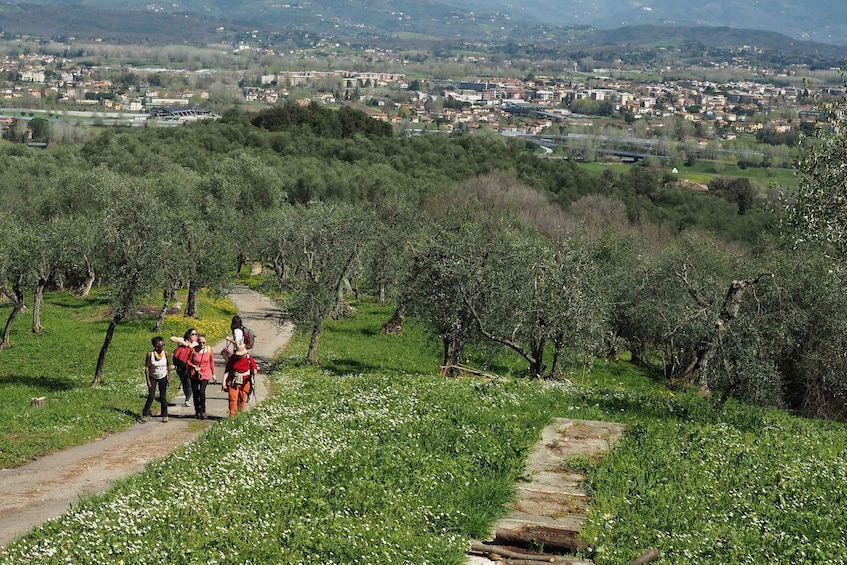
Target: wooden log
{"points": [[502, 551], [559, 561], [38, 402], [646, 557], [552, 537]]}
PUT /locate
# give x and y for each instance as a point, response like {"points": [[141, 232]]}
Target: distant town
{"points": [[127, 95]]}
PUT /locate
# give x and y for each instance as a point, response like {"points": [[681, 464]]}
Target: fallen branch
{"points": [[503, 552], [646, 557], [560, 560], [447, 368]]}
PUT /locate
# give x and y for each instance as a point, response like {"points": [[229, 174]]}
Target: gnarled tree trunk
{"points": [[394, 326], [37, 300], [167, 297], [191, 300], [17, 298], [89, 280], [312, 354], [697, 369]]}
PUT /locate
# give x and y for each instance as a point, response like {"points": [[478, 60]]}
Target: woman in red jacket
{"points": [[238, 378]]}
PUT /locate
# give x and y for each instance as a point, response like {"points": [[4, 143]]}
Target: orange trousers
{"points": [[238, 397]]}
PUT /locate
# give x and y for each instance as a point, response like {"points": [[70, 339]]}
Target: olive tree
{"points": [[817, 211], [239, 191], [536, 293], [443, 283], [328, 241], [13, 268], [816, 225], [134, 237]]}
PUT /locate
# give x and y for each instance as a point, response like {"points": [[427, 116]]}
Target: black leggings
{"points": [[198, 390], [162, 384], [185, 381]]}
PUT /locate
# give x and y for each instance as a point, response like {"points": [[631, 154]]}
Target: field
{"points": [[372, 458], [761, 178]]}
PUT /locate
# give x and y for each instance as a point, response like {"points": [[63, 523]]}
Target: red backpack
{"points": [[183, 356]]}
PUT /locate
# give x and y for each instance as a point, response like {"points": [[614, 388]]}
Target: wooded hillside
{"points": [[482, 242]]}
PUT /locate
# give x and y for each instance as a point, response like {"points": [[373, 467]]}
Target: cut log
{"points": [[555, 536]]}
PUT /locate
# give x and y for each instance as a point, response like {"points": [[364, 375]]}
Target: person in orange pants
{"points": [[238, 378]]}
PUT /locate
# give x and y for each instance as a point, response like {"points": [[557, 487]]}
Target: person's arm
{"points": [[147, 367], [227, 373], [179, 340], [194, 362], [168, 365], [212, 364]]}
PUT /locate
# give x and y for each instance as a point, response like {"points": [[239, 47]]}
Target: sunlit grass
{"points": [[372, 458], [703, 173], [59, 364]]}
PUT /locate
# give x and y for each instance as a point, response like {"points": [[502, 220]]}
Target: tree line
{"points": [[485, 245]]}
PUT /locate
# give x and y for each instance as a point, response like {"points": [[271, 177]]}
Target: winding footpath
{"points": [[47, 487]]}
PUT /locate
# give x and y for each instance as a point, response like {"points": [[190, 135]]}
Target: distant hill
{"points": [[815, 20], [116, 26], [425, 23], [347, 17]]}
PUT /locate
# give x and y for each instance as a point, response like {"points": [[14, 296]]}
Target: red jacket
{"points": [[241, 365]]}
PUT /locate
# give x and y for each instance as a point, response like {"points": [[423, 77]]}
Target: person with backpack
{"points": [[157, 373], [239, 377], [183, 360], [240, 334]]}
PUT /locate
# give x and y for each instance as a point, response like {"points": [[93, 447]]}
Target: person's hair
{"points": [[187, 335], [157, 339], [236, 322]]}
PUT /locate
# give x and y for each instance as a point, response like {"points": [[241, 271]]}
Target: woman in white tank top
{"points": [[157, 372]]}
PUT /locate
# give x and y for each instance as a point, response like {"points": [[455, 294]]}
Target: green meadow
{"points": [[761, 178], [371, 457]]}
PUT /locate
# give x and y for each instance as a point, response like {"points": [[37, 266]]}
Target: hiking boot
{"points": [[144, 419], [164, 419], [202, 415]]}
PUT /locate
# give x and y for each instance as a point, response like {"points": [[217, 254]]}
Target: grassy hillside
{"points": [[371, 458]]}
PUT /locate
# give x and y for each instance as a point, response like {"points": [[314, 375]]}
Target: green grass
{"points": [[703, 173], [371, 458], [59, 364]]}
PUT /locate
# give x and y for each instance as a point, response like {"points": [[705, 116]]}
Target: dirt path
{"points": [[45, 488]]}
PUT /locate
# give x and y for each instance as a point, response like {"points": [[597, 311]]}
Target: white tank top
{"points": [[158, 366]]}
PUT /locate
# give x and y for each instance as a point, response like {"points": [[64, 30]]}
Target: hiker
{"points": [[204, 363], [233, 340], [240, 334], [238, 378], [157, 373], [183, 356]]}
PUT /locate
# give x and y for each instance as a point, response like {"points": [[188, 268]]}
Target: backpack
{"points": [[182, 357], [249, 337]]}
